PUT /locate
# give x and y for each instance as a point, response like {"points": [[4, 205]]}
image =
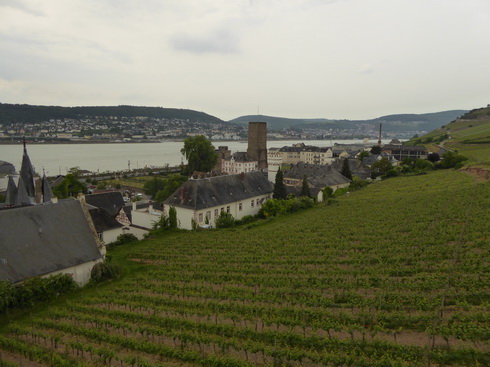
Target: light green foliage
{"points": [[123, 239], [395, 274], [200, 154]]}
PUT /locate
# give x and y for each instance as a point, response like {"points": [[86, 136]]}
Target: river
{"points": [[58, 158]]}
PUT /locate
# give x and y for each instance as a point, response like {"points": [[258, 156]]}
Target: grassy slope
{"points": [[470, 135], [395, 274]]}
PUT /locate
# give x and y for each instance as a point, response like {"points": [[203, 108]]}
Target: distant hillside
{"points": [[398, 122], [12, 113], [469, 134]]}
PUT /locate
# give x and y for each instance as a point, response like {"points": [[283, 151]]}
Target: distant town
{"points": [[106, 129]]}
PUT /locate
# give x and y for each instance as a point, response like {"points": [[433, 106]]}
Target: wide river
{"points": [[58, 158]]}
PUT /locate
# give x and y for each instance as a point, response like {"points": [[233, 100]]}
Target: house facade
{"points": [[200, 202]]}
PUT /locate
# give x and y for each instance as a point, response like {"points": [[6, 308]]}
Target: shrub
{"points": [[225, 220], [105, 271], [34, 290], [122, 239]]}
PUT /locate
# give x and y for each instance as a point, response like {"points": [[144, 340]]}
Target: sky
{"points": [[339, 59]]}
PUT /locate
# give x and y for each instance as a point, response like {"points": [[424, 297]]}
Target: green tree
{"points": [[154, 185], [170, 184], [200, 154], [452, 160], [363, 155], [376, 149], [224, 220], [305, 188], [70, 186], [279, 188], [346, 169], [380, 167], [172, 217]]}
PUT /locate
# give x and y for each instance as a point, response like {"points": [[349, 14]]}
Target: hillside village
{"points": [[239, 185]]}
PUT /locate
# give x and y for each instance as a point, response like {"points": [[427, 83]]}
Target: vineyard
{"points": [[396, 274]]}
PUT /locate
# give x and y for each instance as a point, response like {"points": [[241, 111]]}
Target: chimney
{"points": [[134, 205]]}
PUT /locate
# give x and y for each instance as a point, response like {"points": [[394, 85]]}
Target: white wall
{"points": [[145, 218], [80, 273], [185, 215]]}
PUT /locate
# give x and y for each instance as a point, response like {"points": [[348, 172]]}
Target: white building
{"points": [[237, 163], [200, 202]]}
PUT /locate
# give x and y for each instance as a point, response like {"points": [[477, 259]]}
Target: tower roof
{"points": [[27, 173]]}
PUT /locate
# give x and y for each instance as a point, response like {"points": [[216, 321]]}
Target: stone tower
{"points": [[257, 143]]}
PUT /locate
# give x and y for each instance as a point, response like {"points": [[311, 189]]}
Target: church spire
{"points": [[27, 172], [46, 189]]}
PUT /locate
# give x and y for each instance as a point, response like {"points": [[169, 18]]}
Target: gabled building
{"points": [[110, 215], [237, 163], [317, 176], [200, 202], [43, 240]]}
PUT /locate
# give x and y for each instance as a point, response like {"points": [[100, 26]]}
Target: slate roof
{"points": [[6, 168], [27, 173], [317, 175], [102, 220], [220, 190], [44, 238], [356, 167], [111, 202]]}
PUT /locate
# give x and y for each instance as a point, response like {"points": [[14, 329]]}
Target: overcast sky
{"points": [[291, 58]]}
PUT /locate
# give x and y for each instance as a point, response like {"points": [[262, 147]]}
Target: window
{"points": [[258, 202], [228, 209], [215, 212], [252, 203], [200, 217], [208, 215], [240, 206]]}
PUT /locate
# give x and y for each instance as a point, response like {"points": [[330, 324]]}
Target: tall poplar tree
{"points": [[279, 188], [346, 169]]}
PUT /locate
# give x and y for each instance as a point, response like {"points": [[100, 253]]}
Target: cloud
{"points": [[222, 41], [19, 5]]}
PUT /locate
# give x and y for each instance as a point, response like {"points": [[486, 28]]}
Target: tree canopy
{"points": [[200, 154], [305, 188], [70, 186]]}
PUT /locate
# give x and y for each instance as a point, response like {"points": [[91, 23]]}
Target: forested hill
{"points": [[426, 121], [12, 113]]}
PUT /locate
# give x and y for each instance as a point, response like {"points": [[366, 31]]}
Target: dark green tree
{"points": [[172, 217], [380, 167], [305, 188], [153, 186], [346, 169], [200, 154], [362, 155], [376, 149], [279, 188], [170, 184], [452, 160], [70, 186]]}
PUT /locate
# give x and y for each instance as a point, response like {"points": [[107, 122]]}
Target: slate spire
{"points": [[27, 173], [22, 197], [46, 189], [11, 195]]}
